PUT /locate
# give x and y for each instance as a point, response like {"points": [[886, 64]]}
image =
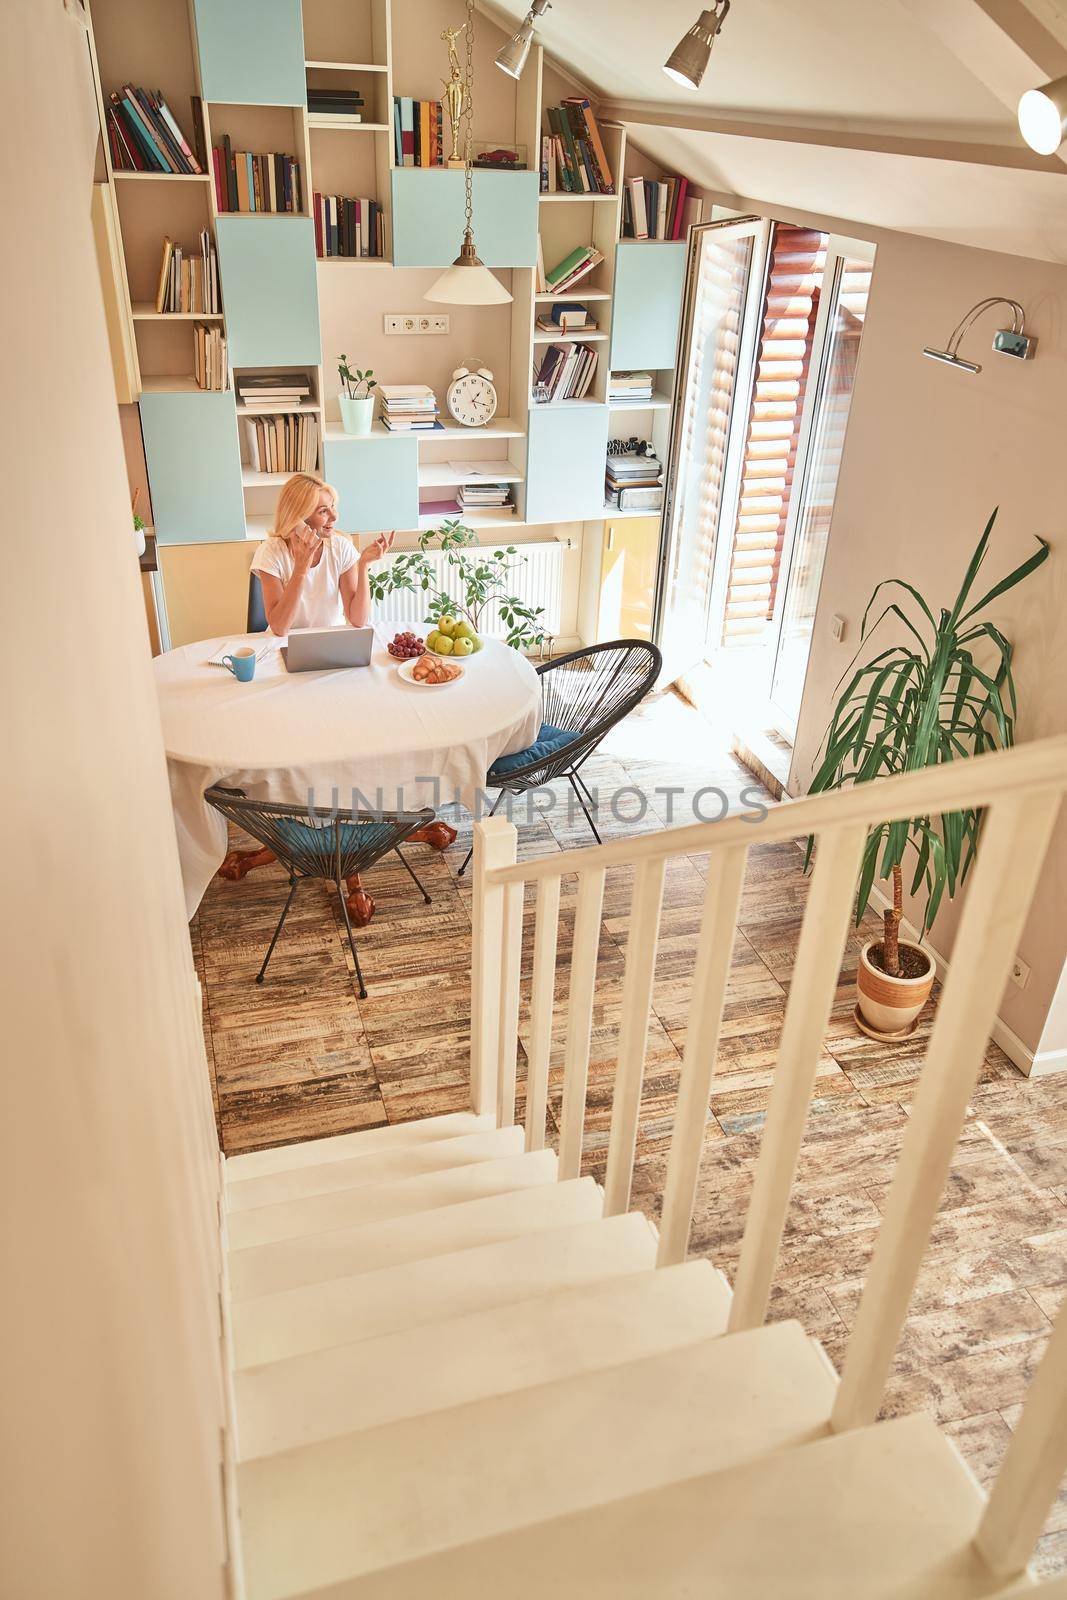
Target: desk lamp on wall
{"points": [[1013, 341]]}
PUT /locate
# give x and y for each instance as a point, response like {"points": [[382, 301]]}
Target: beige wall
{"points": [[109, 1332], [929, 453]]}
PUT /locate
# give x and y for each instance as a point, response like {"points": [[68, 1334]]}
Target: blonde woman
{"points": [[311, 579]]}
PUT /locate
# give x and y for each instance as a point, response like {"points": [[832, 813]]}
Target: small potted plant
{"points": [[917, 704], [482, 579], [356, 399]]}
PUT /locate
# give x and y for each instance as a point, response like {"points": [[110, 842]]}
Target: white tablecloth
{"points": [[285, 736]]}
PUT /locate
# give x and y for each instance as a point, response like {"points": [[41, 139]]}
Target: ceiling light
{"points": [[511, 58], [1013, 341], [468, 281], [1043, 117], [688, 61]]}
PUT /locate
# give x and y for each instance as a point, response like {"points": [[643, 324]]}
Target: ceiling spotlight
{"points": [[688, 61], [1043, 117], [512, 57], [1013, 341]]}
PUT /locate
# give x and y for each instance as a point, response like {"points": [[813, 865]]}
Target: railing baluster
{"points": [[511, 961], [1014, 838], [542, 1004], [811, 993], [641, 941], [1036, 1459], [495, 842], [580, 1020], [711, 971]]}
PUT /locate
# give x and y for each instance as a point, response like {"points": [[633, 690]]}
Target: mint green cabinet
{"points": [[251, 52], [194, 466], [428, 217], [649, 284], [269, 290], [566, 452], [377, 482]]}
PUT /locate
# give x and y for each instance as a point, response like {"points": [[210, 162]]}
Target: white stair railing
{"points": [[1020, 792]]}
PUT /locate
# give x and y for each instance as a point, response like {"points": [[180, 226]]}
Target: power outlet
{"points": [[1020, 973], [403, 322]]}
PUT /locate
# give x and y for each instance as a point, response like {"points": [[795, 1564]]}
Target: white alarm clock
{"points": [[471, 396]]}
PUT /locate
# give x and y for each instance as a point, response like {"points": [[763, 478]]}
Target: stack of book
{"points": [[659, 208], [273, 391], [143, 135], [345, 227], [248, 182], [408, 407], [209, 357], [567, 317], [485, 497], [573, 158], [629, 386], [283, 443], [633, 482], [339, 105], [418, 132], [566, 371], [573, 267], [189, 280]]}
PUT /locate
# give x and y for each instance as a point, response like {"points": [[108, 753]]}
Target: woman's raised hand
{"points": [[377, 548], [303, 542]]}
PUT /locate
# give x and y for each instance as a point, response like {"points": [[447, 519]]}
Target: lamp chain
{"points": [[468, 143]]}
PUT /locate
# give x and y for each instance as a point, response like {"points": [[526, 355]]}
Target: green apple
{"points": [[446, 625], [462, 647], [463, 630], [476, 643], [443, 647], [431, 640]]}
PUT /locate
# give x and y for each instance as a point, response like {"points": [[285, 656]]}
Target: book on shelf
{"points": [[273, 391], [209, 357], [629, 386], [418, 132], [286, 442], [343, 105], [629, 472], [572, 268], [246, 181], [573, 158], [566, 317], [348, 227], [486, 497], [144, 136], [447, 506], [408, 407], [188, 280], [659, 208], [566, 371]]}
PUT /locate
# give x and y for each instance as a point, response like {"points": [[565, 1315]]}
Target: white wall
{"points": [[108, 1337]]}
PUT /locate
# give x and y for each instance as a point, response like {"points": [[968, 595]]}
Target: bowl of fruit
{"points": [[406, 647], [452, 638]]}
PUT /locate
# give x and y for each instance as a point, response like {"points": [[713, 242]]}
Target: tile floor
{"points": [[303, 1057]]}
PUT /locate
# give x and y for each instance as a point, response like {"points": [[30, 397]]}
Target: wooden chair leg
{"points": [[359, 903], [240, 862]]}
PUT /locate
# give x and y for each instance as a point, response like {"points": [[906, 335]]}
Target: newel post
{"points": [[495, 842]]}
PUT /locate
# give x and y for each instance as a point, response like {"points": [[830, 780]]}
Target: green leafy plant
{"points": [[483, 578], [357, 385], [917, 704], [138, 523]]}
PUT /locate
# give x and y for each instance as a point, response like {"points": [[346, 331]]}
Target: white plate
{"points": [[406, 670]]}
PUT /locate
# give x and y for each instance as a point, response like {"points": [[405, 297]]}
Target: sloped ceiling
{"points": [[894, 114]]}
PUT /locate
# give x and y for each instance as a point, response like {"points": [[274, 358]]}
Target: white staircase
{"points": [[458, 1368]]}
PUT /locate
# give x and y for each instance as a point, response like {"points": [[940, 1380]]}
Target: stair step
{"points": [[356, 1504], [291, 1220], [875, 1514], [342, 1310], [433, 1215], [375, 1166], [259, 1163], [419, 1370]]}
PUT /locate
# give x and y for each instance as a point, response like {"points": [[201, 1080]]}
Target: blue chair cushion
{"points": [[319, 841], [549, 741]]}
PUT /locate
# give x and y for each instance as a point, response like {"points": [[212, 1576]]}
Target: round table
{"points": [[358, 736]]}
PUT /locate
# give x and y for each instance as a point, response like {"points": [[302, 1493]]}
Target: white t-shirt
{"points": [[320, 604]]}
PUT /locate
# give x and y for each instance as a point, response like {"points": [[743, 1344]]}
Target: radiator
{"points": [[537, 580]]}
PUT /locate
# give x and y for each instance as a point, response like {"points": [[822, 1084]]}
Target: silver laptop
{"points": [[319, 649]]}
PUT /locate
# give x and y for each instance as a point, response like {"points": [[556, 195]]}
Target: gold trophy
{"points": [[455, 92]]}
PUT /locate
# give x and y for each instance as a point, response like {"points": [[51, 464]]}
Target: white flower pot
{"points": [[891, 1005], [356, 415]]}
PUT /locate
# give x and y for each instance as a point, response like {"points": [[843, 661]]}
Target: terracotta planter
{"points": [[891, 1005]]}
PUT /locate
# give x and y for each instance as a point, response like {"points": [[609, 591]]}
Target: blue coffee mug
{"points": [[242, 664]]}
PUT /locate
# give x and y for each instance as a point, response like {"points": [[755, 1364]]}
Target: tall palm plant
{"points": [[917, 704]]}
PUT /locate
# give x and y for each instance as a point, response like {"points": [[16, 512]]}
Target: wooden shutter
{"points": [[798, 258]]}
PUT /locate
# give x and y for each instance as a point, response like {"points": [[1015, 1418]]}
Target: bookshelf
{"points": [[284, 309]]}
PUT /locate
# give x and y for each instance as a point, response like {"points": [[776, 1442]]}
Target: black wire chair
{"points": [[256, 620], [583, 695], [327, 844]]}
